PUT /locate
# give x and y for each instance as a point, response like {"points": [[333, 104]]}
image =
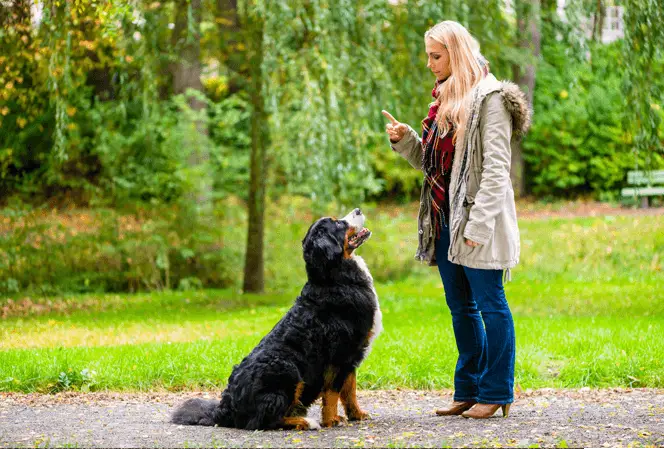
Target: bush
{"points": [[578, 144], [48, 251]]}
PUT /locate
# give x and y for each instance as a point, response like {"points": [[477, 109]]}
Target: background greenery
{"points": [[90, 112], [93, 114], [129, 132], [50, 252], [588, 308]]}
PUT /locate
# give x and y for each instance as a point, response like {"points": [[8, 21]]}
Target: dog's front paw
{"points": [[335, 421], [359, 415]]}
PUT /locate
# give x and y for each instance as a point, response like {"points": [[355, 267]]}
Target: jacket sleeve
{"points": [[410, 148], [495, 136]]}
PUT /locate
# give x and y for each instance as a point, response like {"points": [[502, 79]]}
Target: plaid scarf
{"points": [[438, 156], [437, 160]]}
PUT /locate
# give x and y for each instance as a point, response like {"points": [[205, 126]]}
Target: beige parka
{"points": [[481, 197]]}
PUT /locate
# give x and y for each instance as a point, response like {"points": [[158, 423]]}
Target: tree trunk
{"points": [[233, 53], [187, 70], [254, 268], [598, 21], [186, 73], [529, 41]]}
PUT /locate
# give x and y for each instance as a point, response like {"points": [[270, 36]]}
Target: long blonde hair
{"points": [[466, 73]]}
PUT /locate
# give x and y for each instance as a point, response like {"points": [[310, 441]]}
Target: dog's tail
{"points": [[197, 412]]}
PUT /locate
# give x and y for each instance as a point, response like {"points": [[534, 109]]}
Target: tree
{"points": [[186, 73], [598, 20], [232, 51], [528, 40], [254, 259]]}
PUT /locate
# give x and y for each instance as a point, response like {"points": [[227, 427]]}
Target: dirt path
{"points": [[528, 209], [544, 418]]}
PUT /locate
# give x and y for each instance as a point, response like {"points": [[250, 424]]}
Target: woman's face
{"points": [[438, 59]]}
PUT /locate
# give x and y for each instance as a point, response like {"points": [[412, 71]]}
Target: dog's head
{"points": [[329, 240]]}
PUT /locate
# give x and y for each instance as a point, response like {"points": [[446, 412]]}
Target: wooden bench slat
{"points": [[643, 191], [645, 178]]}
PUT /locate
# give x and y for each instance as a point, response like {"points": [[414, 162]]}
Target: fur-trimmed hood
{"points": [[514, 99], [517, 105]]}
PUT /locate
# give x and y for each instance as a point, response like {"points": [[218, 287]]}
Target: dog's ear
{"points": [[321, 249], [327, 248]]}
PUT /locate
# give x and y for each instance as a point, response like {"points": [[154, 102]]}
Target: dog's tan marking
{"points": [[330, 409], [348, 251], [297, 423], [370, 335], [297, 408], [328, 377], [349, 399]]}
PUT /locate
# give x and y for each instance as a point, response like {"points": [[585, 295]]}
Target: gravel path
{"points": [[400, 418]]}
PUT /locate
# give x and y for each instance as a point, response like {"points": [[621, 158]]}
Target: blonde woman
{"points": [[467, 221]]}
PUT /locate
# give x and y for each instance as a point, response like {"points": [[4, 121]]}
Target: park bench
{"points": [[645, 184]]}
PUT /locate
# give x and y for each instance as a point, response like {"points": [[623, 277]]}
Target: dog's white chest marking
{"points": [[378, 315]]}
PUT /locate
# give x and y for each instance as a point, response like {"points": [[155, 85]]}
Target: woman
{"points": [[467, 221]]}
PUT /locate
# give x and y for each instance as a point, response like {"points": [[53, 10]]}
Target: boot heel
{"points": [[506, 409]]}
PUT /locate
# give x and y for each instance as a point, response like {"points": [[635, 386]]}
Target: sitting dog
{"points": [[313, 351]]}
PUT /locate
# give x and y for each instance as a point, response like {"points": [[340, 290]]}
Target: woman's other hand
{"points": [[471, 243], [395, 129]]}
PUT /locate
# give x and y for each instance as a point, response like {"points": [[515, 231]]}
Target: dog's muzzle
{"points": [[356, 220]]}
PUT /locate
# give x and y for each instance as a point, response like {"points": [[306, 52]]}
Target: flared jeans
{"points": [[483, 329]]}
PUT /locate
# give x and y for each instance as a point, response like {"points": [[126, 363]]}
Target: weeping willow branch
{"points": [[644, 34], [60, 79]]}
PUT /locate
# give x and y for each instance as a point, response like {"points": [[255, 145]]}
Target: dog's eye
{"points": [[339, 224]]}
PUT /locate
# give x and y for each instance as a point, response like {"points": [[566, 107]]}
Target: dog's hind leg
{"points": [[297, 408], [299, 423], [271, 409], [276, 410]]}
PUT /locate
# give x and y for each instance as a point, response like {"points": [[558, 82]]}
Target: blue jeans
{"points": [[483, 329]]}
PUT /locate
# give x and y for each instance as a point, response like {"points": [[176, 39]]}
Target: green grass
{"points": [[180, 344], [587, 299]]}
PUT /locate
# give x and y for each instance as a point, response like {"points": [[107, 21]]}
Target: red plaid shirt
{"points": [[437, 160]]}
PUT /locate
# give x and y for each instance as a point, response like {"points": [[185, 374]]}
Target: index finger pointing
{"points": [[389, 117]]}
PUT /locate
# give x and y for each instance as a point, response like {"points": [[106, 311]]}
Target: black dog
{"points": [[313, 351]]}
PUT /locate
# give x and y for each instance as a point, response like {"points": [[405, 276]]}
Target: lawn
{"points": [[587, 299]]}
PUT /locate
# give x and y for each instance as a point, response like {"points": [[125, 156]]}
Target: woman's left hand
{"points": [[471, 243]]}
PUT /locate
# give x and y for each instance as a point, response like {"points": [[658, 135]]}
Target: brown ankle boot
{"points": [[457, 408], [483, 411]]}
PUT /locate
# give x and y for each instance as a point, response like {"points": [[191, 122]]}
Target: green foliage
{"points": [[326, 83], [89, 113], [229, 131], [578, 143], [25, 114], [48, 252], [644, 88]]}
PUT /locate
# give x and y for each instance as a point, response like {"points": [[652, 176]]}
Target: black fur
{"points": [[322, 338]]}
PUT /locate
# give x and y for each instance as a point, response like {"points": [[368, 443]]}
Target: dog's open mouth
{"points": [[358, 238]]}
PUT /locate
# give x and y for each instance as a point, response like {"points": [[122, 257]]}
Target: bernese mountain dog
{"points": [[313, 351]]}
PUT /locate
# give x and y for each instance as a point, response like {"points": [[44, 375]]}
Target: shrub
{"points": [[578, 144]]}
